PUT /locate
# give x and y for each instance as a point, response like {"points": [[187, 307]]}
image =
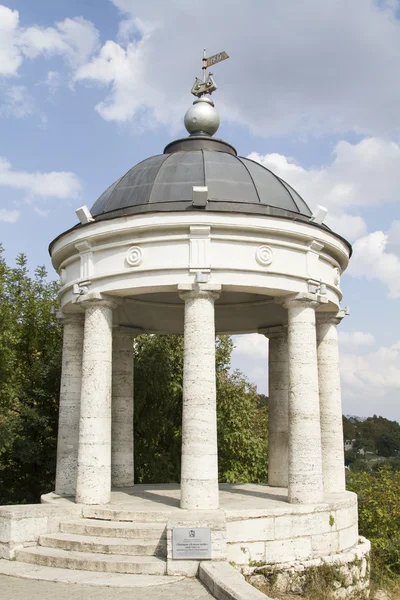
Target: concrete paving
{"points": [[12, 588]]}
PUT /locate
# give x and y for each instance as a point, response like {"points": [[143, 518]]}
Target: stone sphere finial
{"points": [[202, 117]]}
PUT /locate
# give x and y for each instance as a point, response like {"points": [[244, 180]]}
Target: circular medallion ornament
{"points": [[264, 255], [134, 256]]}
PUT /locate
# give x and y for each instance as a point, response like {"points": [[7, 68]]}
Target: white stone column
{"points": [[278, 406], [199, 471], [94, 456], [330, 401], [122, 462], [305, 460], [70, 395]]}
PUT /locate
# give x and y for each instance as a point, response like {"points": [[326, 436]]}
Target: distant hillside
{"points": [[373, 434]]}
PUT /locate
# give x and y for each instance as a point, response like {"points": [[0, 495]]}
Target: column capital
{"points": [[277, 331], [65, 317], [305, 300], [330, 318], [97, 299], [189, 291]]}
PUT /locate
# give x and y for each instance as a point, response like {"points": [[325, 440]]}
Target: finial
{"points": [[208, 85], [202, 118]]}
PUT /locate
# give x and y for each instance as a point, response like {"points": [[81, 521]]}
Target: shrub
{"points": [[379, 514]]}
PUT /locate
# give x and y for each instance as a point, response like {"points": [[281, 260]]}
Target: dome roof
{"points": [[164, 183]]}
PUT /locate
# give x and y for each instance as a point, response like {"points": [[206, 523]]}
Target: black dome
{"points": [[164, 183]]}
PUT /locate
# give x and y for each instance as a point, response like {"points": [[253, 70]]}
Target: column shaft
{"points": [[278, 408], [305, 461], [94, 456], [70, 394], [330, 405], [122, 462], [199, 471]]}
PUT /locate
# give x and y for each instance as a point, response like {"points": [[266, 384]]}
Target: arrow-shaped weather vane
{"points": [[208, 85]]}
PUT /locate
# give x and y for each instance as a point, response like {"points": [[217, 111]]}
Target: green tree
{"points": [[349, 429], [242, 423], [350, 457], [30, 365], [30, 358], [379, 513]]}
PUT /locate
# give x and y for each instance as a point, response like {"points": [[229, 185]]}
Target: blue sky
{"points": [[88, 88]]}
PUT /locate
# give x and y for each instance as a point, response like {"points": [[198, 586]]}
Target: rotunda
{"points": [[198, 240], [194, 241]]}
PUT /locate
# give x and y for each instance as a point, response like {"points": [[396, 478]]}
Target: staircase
{"points": [[105, 541]]}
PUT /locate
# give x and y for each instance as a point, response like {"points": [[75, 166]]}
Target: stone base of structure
{"points": [[345, 573], [255, 525]]}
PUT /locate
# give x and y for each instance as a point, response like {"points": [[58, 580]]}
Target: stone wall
{"points": [[293, 532], [21, 525], [346, 574]]}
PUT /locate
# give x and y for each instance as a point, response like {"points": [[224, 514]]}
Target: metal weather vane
{"points": [[208, 85]]}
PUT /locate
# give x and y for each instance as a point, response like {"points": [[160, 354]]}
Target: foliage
{"points": [[349, 428], [394, 464], [379, 513], [158, 408], [350, 457], [30, 358], [375, 434], [242, 423], [242, 431], [30, 365], [360, 466]]}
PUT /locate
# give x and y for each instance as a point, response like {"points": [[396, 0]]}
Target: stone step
{"points": [[104, 545], [115, 529], [89, 561], [120, 514]]}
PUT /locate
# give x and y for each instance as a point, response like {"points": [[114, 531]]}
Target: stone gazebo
{"points": [[198, 240]]}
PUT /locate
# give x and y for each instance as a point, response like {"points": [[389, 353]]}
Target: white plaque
{"points": [[191, 542]]}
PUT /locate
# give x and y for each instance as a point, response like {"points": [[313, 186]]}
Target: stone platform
{"points": [[131, 536], [261, 525]]}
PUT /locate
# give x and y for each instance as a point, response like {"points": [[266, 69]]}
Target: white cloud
{"points": [[9, 216], [74, 39], [360, 175], [251, 345], [10, 55], [341, 87], [371, 382], [52, 82], [370, 377], [393, 239], [372, 261], [149, 68], [55, 184], [41, 212], [123, 69], [17, 102], [251, 357], [355, 339]]}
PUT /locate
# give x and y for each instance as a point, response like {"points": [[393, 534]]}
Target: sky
{"points": [[88, 88]]}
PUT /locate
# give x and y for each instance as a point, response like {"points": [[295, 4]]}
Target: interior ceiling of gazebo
{"points": [[235, 312]]}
